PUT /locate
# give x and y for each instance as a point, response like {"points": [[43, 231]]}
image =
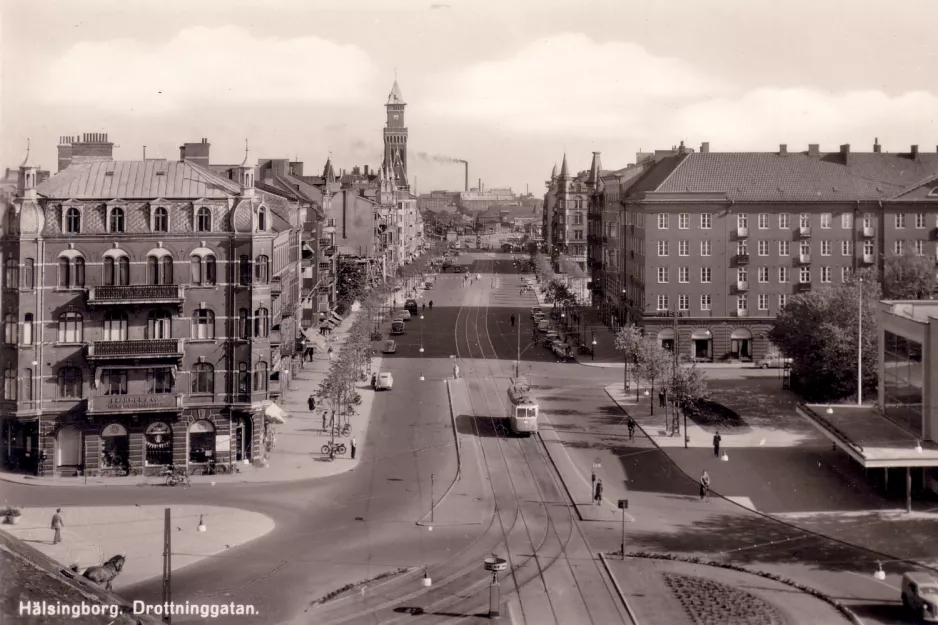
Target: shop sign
{"points": [[115, 429]]}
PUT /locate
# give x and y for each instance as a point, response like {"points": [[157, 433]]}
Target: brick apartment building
{"points": [[149, 313]]}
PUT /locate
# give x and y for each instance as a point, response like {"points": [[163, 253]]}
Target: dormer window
{"points": [[203, 220], [160, 219], [262, 219], [934, 192], [116, 219], [72, 223]]}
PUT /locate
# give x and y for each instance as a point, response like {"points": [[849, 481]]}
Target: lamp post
{"points": [[593, 351], [860, 346]]}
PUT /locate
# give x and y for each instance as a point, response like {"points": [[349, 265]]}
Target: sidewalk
{"points": [[92, 535]]}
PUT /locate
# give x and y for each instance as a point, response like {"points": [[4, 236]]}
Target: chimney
{"points": [[705, 147], [197, 153], [65, 152], [783, 149], [814, 149], [914, 152], [877, 148], [366, 171], [479, 188], [845, 152], [94, 146], [680, 149], [466, 163]]}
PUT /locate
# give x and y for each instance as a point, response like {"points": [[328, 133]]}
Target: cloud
{"points": [[569, 86], [204, 66]]}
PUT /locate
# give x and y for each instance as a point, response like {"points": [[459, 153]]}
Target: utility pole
{"points": [[167, 567], [677, 343], [518, 359]]}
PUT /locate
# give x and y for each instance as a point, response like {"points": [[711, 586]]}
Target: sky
{"points": [[508, 85]]}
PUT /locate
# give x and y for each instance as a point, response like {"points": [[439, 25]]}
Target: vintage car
{"points": [[920, 595], [562, 351], [384, 381], [773, 362], [405, 315], [389, 347], [543, 325]]}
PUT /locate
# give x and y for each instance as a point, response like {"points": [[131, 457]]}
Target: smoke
{"points": [[438, 158]]}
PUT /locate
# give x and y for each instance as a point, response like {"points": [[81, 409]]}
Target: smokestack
{"points": [[877, 148], [479, 188], [144, 153], [845, 152], [466, 163], [783, 149], [914, 152]]}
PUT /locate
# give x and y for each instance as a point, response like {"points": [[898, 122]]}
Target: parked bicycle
{"points": [[176, 475], [210, 468], [333, 449], [344, 430]]}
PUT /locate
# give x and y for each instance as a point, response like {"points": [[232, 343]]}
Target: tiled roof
{"points": [[759, 176], [136, 180], [653, 176]]}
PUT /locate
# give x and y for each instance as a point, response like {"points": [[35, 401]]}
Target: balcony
{"points": [[868, 232], [742, 312], [323, 243], [742, 286], [329, 251], [742, 259], [134, 404], [868, 259], [275, 337], [136, 294], [804, 231], [804, 259], [124, 350], [742, 232], [803, 287], [276, 285]]}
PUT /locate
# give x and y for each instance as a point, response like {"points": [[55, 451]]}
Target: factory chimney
{"points": [[466, 163]]}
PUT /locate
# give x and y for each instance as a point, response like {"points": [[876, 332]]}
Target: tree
{"points": [[572, 271], [627, 341], [687, 388], [351, 281], [653, 363], [909, 276], [819, 330]]}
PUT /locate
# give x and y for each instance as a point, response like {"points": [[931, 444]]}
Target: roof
{"points": [[922, 311], [136, 180], [755, 176], [654, 176], [395, 96]]}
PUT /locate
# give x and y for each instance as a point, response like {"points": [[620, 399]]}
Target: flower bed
{"points": [[348, 587]]}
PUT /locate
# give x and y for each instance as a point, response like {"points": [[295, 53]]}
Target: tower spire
{"points": [[244, 163], [564, 170], [25, 162]]}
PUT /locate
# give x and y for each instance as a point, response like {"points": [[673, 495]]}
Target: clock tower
{"points": [[395, 138]]}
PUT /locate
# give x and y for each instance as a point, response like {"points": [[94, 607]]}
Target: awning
{"points": [[275, 413], [741, 333], [335, 318], [701, 335], [314, 339], [666, 335]]}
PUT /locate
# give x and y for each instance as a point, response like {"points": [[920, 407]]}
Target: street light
{"points": [[593, 352]]}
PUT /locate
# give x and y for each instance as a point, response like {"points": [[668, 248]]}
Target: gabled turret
{"points": [[328, 173], [564, 171], [245, 174], [596, 169], [553, 172]]}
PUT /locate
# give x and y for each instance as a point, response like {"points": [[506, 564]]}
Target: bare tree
{"points": [[654, 363]]}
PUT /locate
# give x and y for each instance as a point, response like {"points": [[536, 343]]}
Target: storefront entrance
{"points": [[159, 443], [201, 442], [68, 447], [741, 344], [115, 448], [702, 345], [666, 338], [243, 438]]}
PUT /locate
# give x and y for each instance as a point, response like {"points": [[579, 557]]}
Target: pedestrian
{"points": [[352, 447], [599, 492], [478, 276], [374, 381], [716, 443], [431, 304], [57, 525], [331, 353], [631, 426], [423, 307], [455, 372], [705, 486], [522, 291], [311, 402], [594, 480], [662, 397], [512, 321], [323, 420]]}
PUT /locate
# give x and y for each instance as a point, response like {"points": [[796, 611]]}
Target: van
{"points": [[411, 306], [397, 326]]}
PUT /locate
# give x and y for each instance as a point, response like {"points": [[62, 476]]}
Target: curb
{"points": [[615, 582], [553, 463], [452, 413], [880, 555]]}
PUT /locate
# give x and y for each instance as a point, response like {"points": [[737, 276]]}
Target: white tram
{"points": [[523, 408]]}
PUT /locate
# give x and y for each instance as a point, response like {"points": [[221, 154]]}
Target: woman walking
{"points": [[705, 487]]}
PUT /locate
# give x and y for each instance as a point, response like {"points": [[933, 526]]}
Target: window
{"points": [[742, 248], [115, 326], [243, 379], [867, 248], [742, 303], [784, 248], [705, 302], [705, 248], [159, 381], [783, 275], [920, 248], [71, 327], [868, 220], [260, 377], [683, 220], [10, 329], [846, 221], [706, 221], [69, 381], [844, 274], [663, 302], [663, 248], [203, 378], [9, 384], [262, 219], [784, 221], [804, 275], [244, 324], [763, 275], [826, 275], [160, 270], [577, 234], [683, 274], [116, 220], [826, 221], [72, 221], [203, 220], [900, 220], [782, 300], [682, 247], [763, 301], [244, 270], [763, 248], [116, 271], [846, 248], [804, 248], [159, 325], [742, 220], [663, 221], [763, 221], [825, 248], [262, 323], [71, 272], [28, 329], [11, 277], [919, 220], [804, 220], [683, 302], [742, 275], [115, 381], [662, 275], [29, 274], [705, 275], [262, 269], [203, 270], [160, 220], [203, 324], [898, 247]]}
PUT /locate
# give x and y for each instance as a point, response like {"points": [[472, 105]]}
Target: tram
{"points": [[524, 409]]}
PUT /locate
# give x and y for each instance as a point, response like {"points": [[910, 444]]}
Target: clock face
{"points": [[397, 117]]}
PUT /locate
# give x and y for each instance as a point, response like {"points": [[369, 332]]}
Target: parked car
{"points": [[543, 325], [389, 347], [920, 595], [397, 326], [384, 382], [405, 315], [411, 306], [551, 337], [536, 310], [428, 286], [563, 351], [773, 362]]}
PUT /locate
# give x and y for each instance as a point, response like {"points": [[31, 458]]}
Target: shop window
{"points": [[159, 443], [115, 447], [201, 441]]}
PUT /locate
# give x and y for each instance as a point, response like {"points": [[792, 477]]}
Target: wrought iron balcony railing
{"points": [[136, 294], [154, 348]]}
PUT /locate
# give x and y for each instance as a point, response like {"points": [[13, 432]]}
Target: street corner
{"points": [[92, 535]]}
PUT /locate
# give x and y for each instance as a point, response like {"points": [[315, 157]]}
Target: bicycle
{"points": [[176, 475], [215, 468], [331, 449]]}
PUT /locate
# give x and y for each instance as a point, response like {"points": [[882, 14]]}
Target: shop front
{"points": [[20, 445], [115, 450], [701, 345], [741, 344]]}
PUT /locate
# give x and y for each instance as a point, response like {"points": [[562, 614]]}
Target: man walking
{"points": [[455, 372], [662, 398], [431, 304], [57, 525], [331, 353], [705, 486], [716, 443], [512, 321], [598, 498], [631, 426], [352, 447], [311, 402]]}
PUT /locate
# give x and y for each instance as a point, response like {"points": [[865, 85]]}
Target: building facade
{"points": [[566, 207], [149, 316]]}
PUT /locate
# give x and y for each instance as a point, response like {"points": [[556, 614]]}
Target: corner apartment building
{"points": [[725, 239], [149, 314], [566, 206]]}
